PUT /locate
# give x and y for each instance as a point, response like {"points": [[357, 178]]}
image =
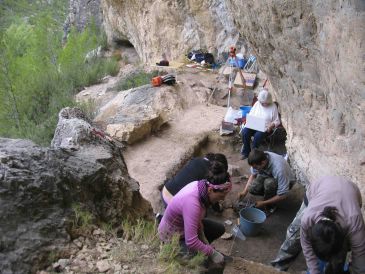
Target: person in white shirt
{"points": [[266, 109]]}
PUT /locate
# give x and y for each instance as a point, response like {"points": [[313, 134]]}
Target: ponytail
{"points": [[330, 213]]}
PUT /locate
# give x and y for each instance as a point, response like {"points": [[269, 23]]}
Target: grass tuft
{"points": [[83, 219], [134, 80], [141, 246]]}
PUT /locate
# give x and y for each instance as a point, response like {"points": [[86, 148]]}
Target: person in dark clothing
{"points": [[195, 170]]}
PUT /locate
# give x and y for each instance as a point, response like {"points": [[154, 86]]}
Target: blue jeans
{"points": [[258, 137]]}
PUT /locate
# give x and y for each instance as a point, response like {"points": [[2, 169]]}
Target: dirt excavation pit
{"points": [[263, 247]]}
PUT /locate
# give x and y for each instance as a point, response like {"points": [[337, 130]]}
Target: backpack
{"points": [[209, 58]]}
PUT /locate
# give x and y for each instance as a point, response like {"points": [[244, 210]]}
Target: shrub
{"points": [[135, 80], [39, 76]]}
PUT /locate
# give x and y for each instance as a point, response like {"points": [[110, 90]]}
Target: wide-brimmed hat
{"points": [[264, 97]]}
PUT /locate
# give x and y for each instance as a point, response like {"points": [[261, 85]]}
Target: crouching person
{"points": [[270, 177], [185, 213], [331, 225]]}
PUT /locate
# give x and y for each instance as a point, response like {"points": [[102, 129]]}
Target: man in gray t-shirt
{"points": [[270, 176]]}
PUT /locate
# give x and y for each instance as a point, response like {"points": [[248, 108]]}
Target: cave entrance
{"points": [[126, 51]]}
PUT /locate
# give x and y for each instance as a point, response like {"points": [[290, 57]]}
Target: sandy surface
{"points": [[152, 161]]}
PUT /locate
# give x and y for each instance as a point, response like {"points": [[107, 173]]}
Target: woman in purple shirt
{"points": [[185, 214], [332, 224]]}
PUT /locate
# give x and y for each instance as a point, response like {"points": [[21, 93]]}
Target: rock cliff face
{"points": [[171, 27], [39, 187], [80, 13], [312, 52]]}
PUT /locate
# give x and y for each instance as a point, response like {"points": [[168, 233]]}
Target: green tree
{"points": [[38, 76]]}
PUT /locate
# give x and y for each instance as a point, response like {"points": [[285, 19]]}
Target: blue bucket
{"points": [[251, 220], [245, 110]]}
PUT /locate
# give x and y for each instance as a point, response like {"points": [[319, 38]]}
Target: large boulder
{"points": [[40, 186], [132, 115]]}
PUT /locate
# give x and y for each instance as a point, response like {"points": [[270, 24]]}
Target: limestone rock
{"points": [[134, 114], [234, 170], [81, 12], [38, 187], [172, 27], [103, 266], [311, 52]]}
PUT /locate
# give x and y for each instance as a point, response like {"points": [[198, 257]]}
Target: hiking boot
{"points": [[280, 266]]}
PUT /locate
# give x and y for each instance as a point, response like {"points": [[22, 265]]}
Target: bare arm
{"points": [[272, 200], [243, 194]]}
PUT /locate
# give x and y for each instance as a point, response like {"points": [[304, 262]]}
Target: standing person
{"points": [[270, 176], [196, 169], [331, 224], [185, 213], [266, 109]]}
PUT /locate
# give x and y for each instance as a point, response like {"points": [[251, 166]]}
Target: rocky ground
{"points": [[189, 128]]}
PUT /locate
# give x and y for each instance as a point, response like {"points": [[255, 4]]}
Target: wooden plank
{"points": [[250, 79]]}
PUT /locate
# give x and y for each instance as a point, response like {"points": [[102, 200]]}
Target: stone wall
{"points": [[312, 52]]}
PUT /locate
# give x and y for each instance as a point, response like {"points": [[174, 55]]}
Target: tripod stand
{"points": [[232, 59]]}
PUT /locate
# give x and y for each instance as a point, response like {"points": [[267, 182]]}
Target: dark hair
{"points": [[217, 174], [222, 158], [210, 156], [218, 157], [326, 236], [256, 157]]}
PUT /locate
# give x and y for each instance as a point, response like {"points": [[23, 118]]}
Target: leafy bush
{"points": [[88, 108], [39, 76]]}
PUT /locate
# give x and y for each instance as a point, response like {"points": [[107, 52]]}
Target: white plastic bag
{"points": [[232, 115]]}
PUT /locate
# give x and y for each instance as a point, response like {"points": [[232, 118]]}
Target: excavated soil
{"points": [[194, 132], [263, 247]]}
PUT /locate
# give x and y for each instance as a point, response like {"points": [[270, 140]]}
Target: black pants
{"points": [[212, 229]]}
